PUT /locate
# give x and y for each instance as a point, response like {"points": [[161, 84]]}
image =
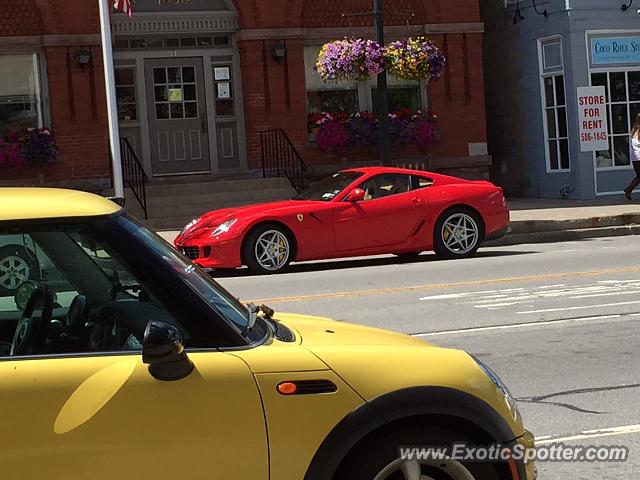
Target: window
{"points": [[330, 187], [20, 93], [554, 105], [418, 183], [175, 92], [623, 104], [386, 185], [328, 97], [126, 94], [63, 290], [351, 97], [223, 84]]}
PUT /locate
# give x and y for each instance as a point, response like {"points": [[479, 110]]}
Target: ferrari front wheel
{"points": [[458, 234], [267, 249]]}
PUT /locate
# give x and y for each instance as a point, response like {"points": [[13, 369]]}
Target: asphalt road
{"points": [[558, 322]]}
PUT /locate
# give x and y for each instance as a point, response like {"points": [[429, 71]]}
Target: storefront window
{"points": [[623, 105], [20, 93], [554, 104]]}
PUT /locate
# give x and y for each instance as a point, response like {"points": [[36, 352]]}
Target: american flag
{"points": [[123, 6]]}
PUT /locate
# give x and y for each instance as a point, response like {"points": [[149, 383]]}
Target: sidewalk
{"points": [[539, 221]]}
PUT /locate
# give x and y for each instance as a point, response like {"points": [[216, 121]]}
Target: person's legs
{"points": [[635, 182]]}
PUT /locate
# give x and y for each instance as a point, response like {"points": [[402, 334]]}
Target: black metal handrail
{"points": [[280, 158], [134, 175]]}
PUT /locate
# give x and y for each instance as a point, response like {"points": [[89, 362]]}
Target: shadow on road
{"points": [[343, 264]]}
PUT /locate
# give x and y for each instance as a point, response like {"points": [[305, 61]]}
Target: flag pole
{"points": [[112, 110]]}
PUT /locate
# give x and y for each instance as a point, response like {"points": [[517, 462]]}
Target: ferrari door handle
{"points": [[416, 200]]}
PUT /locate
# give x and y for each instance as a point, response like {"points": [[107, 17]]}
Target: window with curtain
{"points": [[20, 93]]}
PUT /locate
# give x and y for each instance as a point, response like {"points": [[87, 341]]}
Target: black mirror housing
{"points": [[163, 350]]}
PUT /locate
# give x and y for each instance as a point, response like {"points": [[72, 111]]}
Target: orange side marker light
{"points": [[287, 388]]}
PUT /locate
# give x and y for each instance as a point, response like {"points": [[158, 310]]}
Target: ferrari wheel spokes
{"points": [[460, 233], [272, 250], [424, 470]]}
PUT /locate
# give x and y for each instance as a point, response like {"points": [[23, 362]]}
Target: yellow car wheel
{"points": [[379, 457]]}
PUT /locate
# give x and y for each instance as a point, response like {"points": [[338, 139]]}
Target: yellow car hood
{"points": [[316, 331]]}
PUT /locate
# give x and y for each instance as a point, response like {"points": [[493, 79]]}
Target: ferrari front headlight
{"points": [[224, 227]]}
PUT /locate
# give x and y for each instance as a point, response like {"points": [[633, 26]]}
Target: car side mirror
{"points": [[356, 195], [163, 351]]}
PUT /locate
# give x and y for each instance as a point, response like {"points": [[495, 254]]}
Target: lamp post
{"points": [[383, 98]]}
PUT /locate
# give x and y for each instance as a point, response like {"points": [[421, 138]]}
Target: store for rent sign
{"points": [[592, 114]]}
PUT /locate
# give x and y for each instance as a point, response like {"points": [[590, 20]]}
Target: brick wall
{"points": [[77, 102], [273, 101]]}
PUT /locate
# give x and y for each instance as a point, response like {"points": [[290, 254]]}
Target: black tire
{"points": [[250, 245], [369, 458], [440, 243], [17, 264]]}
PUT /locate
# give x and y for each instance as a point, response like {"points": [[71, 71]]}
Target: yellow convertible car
{"points": [[121, 359]]}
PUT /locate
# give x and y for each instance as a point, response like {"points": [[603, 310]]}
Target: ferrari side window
{"points": [[385, 185], [418, 183]]}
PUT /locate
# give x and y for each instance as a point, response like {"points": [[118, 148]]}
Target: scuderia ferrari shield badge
{"points": [[300, 217]]}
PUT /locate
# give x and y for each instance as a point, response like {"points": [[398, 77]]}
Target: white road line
{"points": [[619, 281], [633, 292], [563, 309], [587, 434], [514, 326]]}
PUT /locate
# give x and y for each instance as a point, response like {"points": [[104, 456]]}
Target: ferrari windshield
{"points": [[329, 188]]}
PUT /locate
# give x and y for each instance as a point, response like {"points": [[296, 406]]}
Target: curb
{"points": [[558, 235]]}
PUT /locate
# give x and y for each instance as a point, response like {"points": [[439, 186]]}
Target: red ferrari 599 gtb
{"points": [[355, 212]]}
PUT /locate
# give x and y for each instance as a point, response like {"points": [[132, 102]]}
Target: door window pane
{"points": [[562, 122], [548, 91], [619, 116], [20, 101], [621, 150], [634, 86], [126, 94], [618, 87], [551, 122], [553, 155], [560, 90], [564, 154]]}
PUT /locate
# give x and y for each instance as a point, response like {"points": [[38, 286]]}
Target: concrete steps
{"points": [[172, 205]]}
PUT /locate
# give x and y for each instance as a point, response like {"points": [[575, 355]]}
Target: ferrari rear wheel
{"points": [[458, 234], [267, 250]]}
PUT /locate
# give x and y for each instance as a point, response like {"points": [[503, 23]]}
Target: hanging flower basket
{"points": [[350, 59], [414, 59], [30, 148]]}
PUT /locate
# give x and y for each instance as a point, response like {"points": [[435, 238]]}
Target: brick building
{"points": [[197, 80]]}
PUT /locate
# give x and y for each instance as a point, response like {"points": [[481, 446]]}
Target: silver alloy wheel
{"points": [[13, 271], [460, 233], [272, 250], [412, 469]]}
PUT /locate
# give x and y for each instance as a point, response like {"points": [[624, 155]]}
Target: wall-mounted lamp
{"points": [[544, 13], [279, 50], [626, 6], [83, 57]]}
